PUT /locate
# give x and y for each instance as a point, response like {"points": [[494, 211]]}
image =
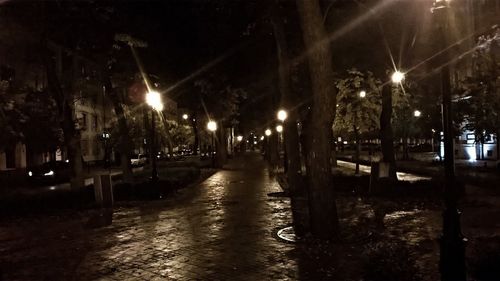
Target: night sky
{"points": [[184, 36]]}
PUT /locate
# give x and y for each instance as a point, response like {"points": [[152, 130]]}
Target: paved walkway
{"points": [[222, 231]]}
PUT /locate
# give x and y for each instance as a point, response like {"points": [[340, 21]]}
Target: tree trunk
{"points": [[386, 135], [124, 144], [273, 150], [221, 146], [498, 145], [334, 155], [293, 167], [196, 144], [170, 143], [322, 206], [406, 155], [482, 148], [147, 129], [358, 148], [64, 100]]}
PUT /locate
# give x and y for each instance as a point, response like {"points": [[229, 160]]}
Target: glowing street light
{"points": [[262, 138], [362, 94], [153, 99], [279, 128], [268, 132], [212, 126], [239, 138], [282, 115], [397, 76], [185, 116], [417, 113]]}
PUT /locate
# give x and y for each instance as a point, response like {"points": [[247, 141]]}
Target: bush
{"points": [[170, 180]]}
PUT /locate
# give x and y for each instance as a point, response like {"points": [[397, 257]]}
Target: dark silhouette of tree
{"points": [[323, 210]]}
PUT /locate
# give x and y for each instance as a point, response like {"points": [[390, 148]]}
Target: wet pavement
{"points": [[221, 231], [225, 229]]}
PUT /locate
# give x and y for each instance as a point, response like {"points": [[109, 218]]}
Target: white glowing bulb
{"points": [[397, 76]]}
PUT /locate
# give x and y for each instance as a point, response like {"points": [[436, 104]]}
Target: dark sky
{"points": [[184, 36]]}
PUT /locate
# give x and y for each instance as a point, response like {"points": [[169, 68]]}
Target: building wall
{"points": [[466, 147]]}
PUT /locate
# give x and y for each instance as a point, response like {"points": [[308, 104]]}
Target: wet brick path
{"points": [[223, 231]]}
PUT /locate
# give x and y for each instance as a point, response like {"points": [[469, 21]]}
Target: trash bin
{"points": [[103, 190]]}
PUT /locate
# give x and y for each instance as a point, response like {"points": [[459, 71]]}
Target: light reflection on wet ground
{"points": [[367, 170]]}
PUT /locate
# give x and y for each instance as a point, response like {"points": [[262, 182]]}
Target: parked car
{"points": [[138, 160], [54, 171]]}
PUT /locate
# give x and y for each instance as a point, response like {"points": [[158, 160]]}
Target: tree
{"points": [[482, 105], [8, 116], [359, 102], [220, 102], [289, 102], [323, 210], [40, 129]]}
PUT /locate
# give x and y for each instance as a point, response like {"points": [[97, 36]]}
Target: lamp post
{"points": [[212, 127], [452, 257], [153, 99], [282, 116]]}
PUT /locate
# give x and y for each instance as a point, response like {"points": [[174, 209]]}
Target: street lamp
{"points": [[362, 94], [452, 256], [282, 115], [268, 132], [239, 138], [279, 128], [185, 116], [397, 77], [212, 127], [417, 113], [153, 99]]}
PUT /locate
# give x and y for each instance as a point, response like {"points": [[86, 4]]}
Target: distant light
{"points": [[279, 128], [185, 116], [49, 173], [262, 138], [339, 139], [254, 142], [282, 115], [398, 76], [67, 161], [417, 113], [345, 142], [433, 130], [239, 138], [268, 132], [153, 99], [212, 126], [362, 94], [30, 173]]}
